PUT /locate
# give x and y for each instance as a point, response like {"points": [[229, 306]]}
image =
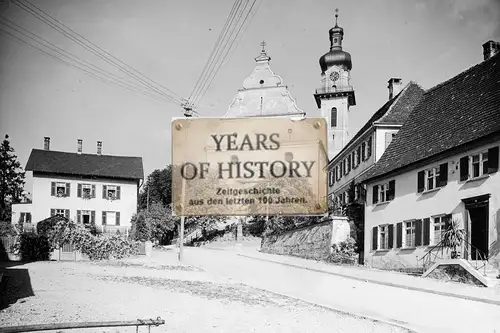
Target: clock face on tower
{"points": [[334, 76]]}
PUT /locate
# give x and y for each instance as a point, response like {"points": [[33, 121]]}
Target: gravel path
{"points": [[187, 298]]}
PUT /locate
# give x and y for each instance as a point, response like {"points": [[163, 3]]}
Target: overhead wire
{"points": [[106, 56], [211, 58], [82, 68], [225, 56]]}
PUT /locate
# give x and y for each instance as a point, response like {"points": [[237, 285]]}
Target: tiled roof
{"points": [[455, 112], [394, 112], [85, 164]]}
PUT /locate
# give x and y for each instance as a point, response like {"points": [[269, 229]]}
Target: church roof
{"points": [[452, 114], [393, 112]]}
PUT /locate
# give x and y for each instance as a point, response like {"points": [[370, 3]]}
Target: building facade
{"points": [[352, 163], [335, 95], [86, 188], [441, 168]]}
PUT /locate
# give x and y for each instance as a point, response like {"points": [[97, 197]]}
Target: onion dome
{"points": [[336, 56]]}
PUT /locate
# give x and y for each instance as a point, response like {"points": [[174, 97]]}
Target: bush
{"points": [[33, 247], [96, 247], [141, 230], [344, 252], [7, 229]]}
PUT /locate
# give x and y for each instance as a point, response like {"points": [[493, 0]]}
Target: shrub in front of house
{"points": [[32, 246], [7, 229], [344, 252]]}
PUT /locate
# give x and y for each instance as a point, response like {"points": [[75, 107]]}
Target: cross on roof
{"points": [[263, 44]]}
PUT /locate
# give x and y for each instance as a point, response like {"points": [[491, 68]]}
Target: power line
{"points": [[216, 46], [221, 46], [225, 55], [88, 72], [82, 41]]}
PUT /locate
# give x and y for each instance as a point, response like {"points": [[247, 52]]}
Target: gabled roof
{"points": [[394, 112], [105, 166], [453, 113]]}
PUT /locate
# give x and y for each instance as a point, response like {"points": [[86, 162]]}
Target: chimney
{"points": [[99, 147], [395, 86], [79, 146], [46, 143], [490, 48]]}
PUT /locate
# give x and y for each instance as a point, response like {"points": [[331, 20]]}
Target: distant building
{"points": [[263, 94], [441, 166], [86, 188]]}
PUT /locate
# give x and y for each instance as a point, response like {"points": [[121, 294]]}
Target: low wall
{"points": [[313, 242]]}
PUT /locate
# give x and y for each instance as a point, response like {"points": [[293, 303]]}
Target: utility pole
{"points": [[147, 202], [188, 112]]}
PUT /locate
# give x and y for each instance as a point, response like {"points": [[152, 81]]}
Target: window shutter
{"points": [[118, 190], [28, 215], [103, 218], [331, 178], [104, 191], [421, 181], [78, 216], [353, 158], [464, 168], [427, 231], [369, 146], [375, 194], [52, 212], [93, 190], [349, 165], [447, 221], [391, 236], [392, 190], [443, 174], [375, 238], [92, 216], [79, 190], [22, 217], [399, 235], [388, 139], [493, 159], [363, 151], [117, 218], [359, 155], [67, 189], [53, 189], [418, 232], [66, 213]]}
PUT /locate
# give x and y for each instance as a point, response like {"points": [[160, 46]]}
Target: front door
{"points": [[479, 232]]}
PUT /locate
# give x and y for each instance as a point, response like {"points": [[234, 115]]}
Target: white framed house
{"points": [[86, 188], [442, 166]]}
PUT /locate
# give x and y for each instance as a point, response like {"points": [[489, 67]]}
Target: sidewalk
{"points": [[394, 279]]}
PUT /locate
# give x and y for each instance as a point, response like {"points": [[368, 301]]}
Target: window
{"points": [[479, 164], [358, 155], [60, 212], [384, 237], [60, 189], [25, 218], [409, 240], [331, 178], [432, 178], [384, 192], [85, 216], [439, 229], [110, 218], [363, 151], [353, 157], [346, 171], [334, 117], [111, 192], [86, 191], [369, 147], [349, 163]]}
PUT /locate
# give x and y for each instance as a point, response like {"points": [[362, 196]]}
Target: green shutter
{"points": [[79, 190], [375, 194], [52, 212], [363, 150], [374, 238], [464, 168], [78, 216], [93, 190], [53, 189], [66, 213], [92, 217], [418, 232], [104, 191], [392, 190], [443, 174], [427, 231], [117, 218], [493, 160], [103, 218], [399, 235], [391, 236], [68, 189], [118, 190], [369, 146]]}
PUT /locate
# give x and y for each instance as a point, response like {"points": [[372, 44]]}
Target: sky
{"points": [[169, 41]]}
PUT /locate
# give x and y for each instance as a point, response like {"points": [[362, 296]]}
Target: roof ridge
{"points": [[89, 154], [461, 74]]}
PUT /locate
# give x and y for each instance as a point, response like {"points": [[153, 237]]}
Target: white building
{"points": [[442, 166], [86, 188]]}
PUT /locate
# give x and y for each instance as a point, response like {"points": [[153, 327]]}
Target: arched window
{"points": [[334, 117]]}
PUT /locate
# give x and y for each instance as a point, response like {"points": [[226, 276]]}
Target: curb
{"points": [[403, 325], [395, 285]]}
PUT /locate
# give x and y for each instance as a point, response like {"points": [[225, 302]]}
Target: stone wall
{"points": [[313, 242]]}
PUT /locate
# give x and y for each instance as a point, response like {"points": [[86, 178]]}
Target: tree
{"points": [[140, 230], [161, 222], [159, 183], [11, 179]]}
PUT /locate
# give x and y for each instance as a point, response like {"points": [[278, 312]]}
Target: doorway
{"points": [[478, 209]]}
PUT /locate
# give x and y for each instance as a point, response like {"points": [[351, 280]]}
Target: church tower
{"points": [[335, 95]]}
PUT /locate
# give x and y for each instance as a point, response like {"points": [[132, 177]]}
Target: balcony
{"points": [[335, 91]]}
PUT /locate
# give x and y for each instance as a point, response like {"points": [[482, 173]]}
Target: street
{"points": [[423, 312]]}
